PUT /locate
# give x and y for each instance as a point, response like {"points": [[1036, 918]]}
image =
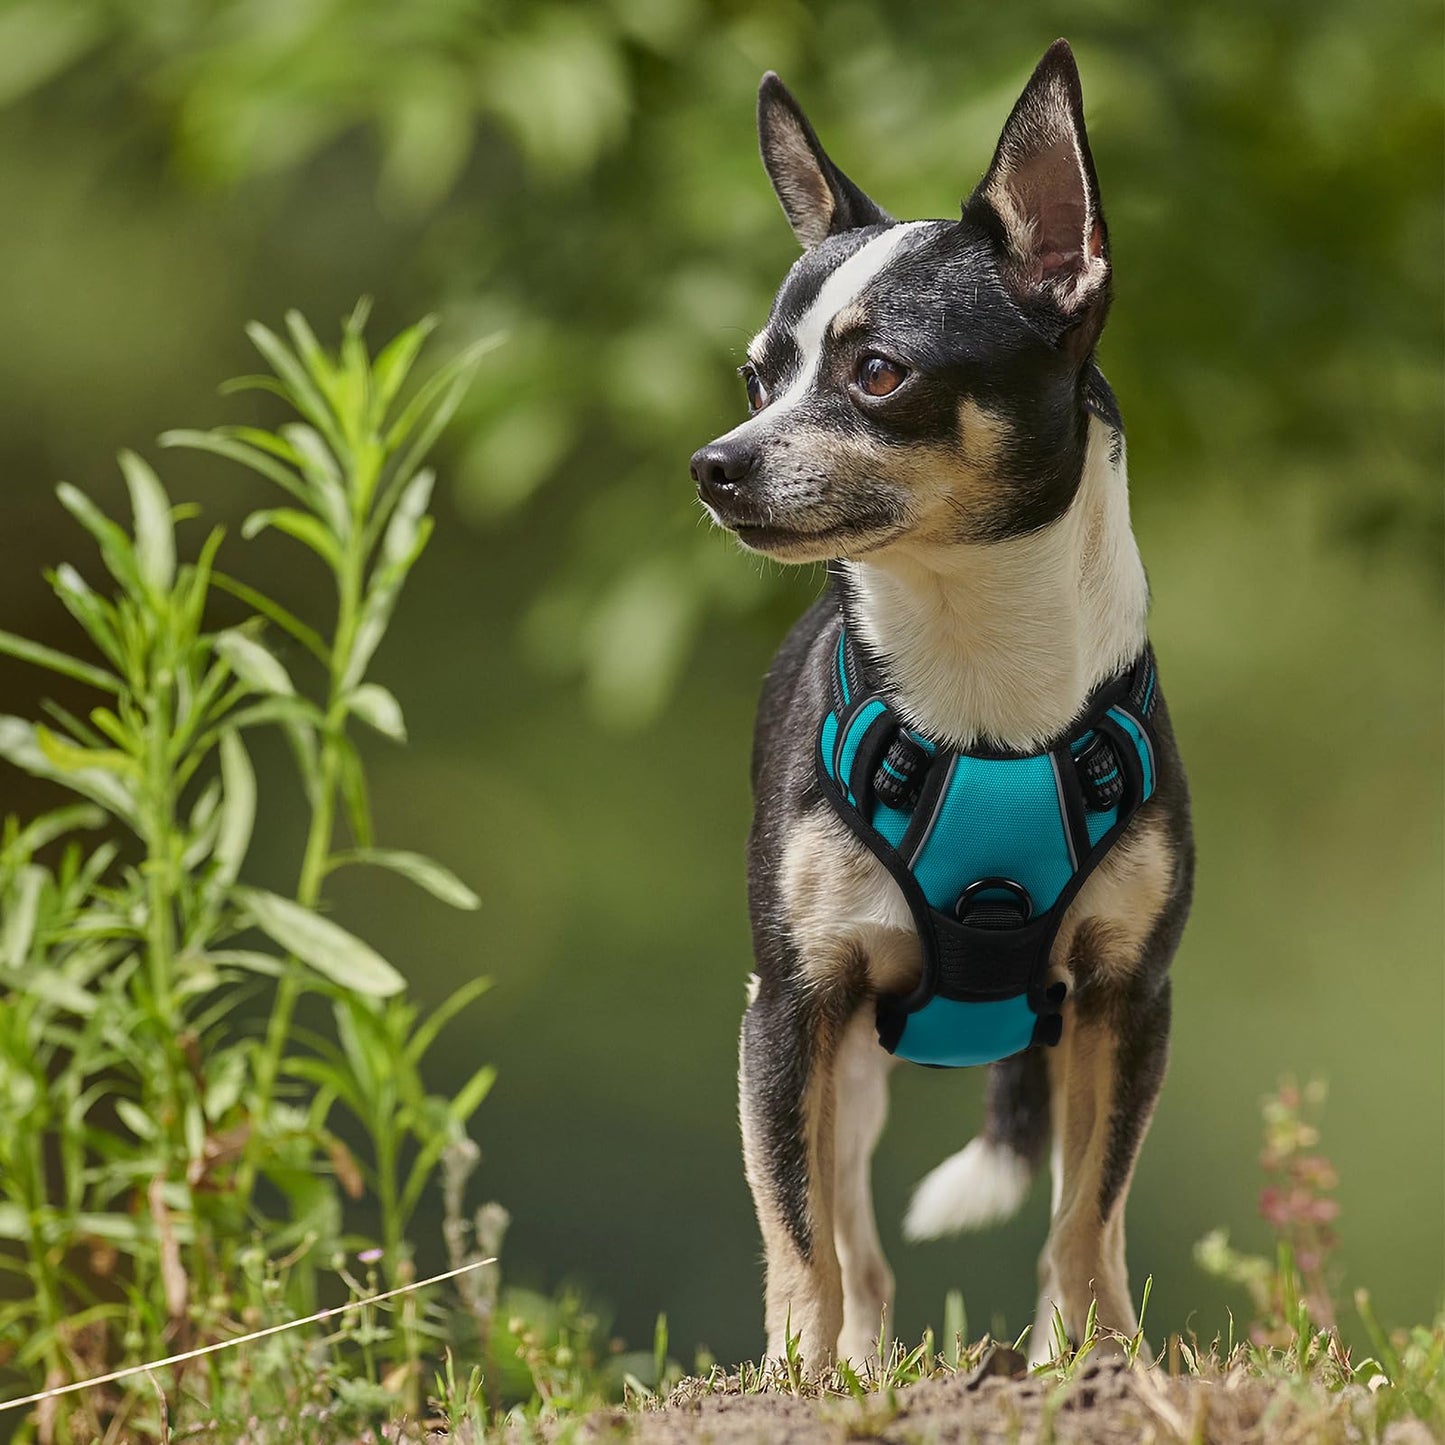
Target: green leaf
{"points": [[300, 390], [136, 1119], [355, 794], [427, 1031], [438, 395], [253, 382], [115, 546], [406, 537], [469, 1097], [94, 614], [313, 357], [155, 537], [17, 926], [322, 472], [223, 442], [327, 947], [395, 361], [56, 824], [238, 809], [402, 530], [69, 757], [20, 745], [253, 664], [109, 725], [375, 705], [308, 637], [60, 662], [309, 530], [195, 584], [204, 826], [439, 881], [295, 710], [53, 987], [247, 958]]}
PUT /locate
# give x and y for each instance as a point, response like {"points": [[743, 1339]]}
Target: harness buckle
{"points": [[979, 912], [1100, 775], [898, 780]]}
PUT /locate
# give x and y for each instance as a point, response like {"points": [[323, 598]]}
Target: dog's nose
{"points": [[720, 469]]}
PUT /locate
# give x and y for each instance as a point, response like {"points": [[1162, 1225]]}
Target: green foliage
{"points": [[166, 1177], [1272, 175]]}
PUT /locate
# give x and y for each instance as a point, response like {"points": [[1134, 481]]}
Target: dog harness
{"points": [[989, 847]]}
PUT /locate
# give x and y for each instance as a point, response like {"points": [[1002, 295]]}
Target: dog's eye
{"points": [[758, 394], [878, 376]]}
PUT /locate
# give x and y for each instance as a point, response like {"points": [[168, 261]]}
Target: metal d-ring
{"points": [[1007, 885]]}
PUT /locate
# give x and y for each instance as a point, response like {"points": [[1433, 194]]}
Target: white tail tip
{"points": [[980, 1185]]}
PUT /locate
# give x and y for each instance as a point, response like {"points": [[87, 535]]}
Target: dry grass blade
{"points": [[41, 1396]]}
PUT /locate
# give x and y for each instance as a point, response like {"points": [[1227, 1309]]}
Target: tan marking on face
{"points": [[1107, 924], [951, 491], [983, 436], [854, 314], [841, 903]]}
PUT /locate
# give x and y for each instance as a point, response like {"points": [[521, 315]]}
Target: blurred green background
{"points": [[585, 176]]}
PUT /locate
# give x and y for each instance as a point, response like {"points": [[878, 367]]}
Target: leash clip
{"points": [[977, 912]]}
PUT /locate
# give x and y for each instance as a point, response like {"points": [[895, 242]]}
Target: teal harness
{"points": [[989, 848]]}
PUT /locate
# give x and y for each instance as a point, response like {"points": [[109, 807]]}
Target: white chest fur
{"points": [[1002, 644]]}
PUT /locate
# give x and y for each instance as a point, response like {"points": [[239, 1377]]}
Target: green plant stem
{"points": [[47, 1289], [317, 855], [160, 925]]}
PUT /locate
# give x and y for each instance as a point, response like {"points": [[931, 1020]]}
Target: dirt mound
{"points": [[1107, 1402]]}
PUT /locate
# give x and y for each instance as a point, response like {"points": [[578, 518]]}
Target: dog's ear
{"points": [[817, 198], [1040, 197]]}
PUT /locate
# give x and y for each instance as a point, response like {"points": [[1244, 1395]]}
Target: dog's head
{"points": [[921, 382]]}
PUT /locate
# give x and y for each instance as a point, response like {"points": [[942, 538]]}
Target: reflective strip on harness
{"points": [[1142, 745]]}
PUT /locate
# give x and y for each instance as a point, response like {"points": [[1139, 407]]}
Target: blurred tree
{"points": [[585, 175]]}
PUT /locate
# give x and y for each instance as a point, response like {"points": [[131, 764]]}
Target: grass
{"points": [[1287, 1374], [172, 1176], [1312, 1390]]}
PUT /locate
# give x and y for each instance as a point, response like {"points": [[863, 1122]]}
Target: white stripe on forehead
{"points": [[839, 291]]}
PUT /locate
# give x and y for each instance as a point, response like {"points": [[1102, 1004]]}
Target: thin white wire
{"points": [[239, 1339]]}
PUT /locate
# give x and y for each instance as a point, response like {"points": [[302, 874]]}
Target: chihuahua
{"points": [[926, 417]]}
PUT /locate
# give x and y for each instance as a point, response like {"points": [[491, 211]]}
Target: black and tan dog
{"points": [[926, 416]]}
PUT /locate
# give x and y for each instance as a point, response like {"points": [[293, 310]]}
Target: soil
{"points": [[1106, 1403]]}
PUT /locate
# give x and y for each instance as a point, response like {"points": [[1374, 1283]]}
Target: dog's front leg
{"points": [[861, 1089], [789, 1046], [1104, 1080]]}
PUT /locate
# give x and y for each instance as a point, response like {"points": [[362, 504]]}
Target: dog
{"points": [[926, 417]]}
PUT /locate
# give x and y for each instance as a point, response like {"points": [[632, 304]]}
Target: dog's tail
{"points": [[988, 1179]]}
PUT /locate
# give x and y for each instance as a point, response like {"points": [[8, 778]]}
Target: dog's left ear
{"points": [[817, 198], [1040, 197]]}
